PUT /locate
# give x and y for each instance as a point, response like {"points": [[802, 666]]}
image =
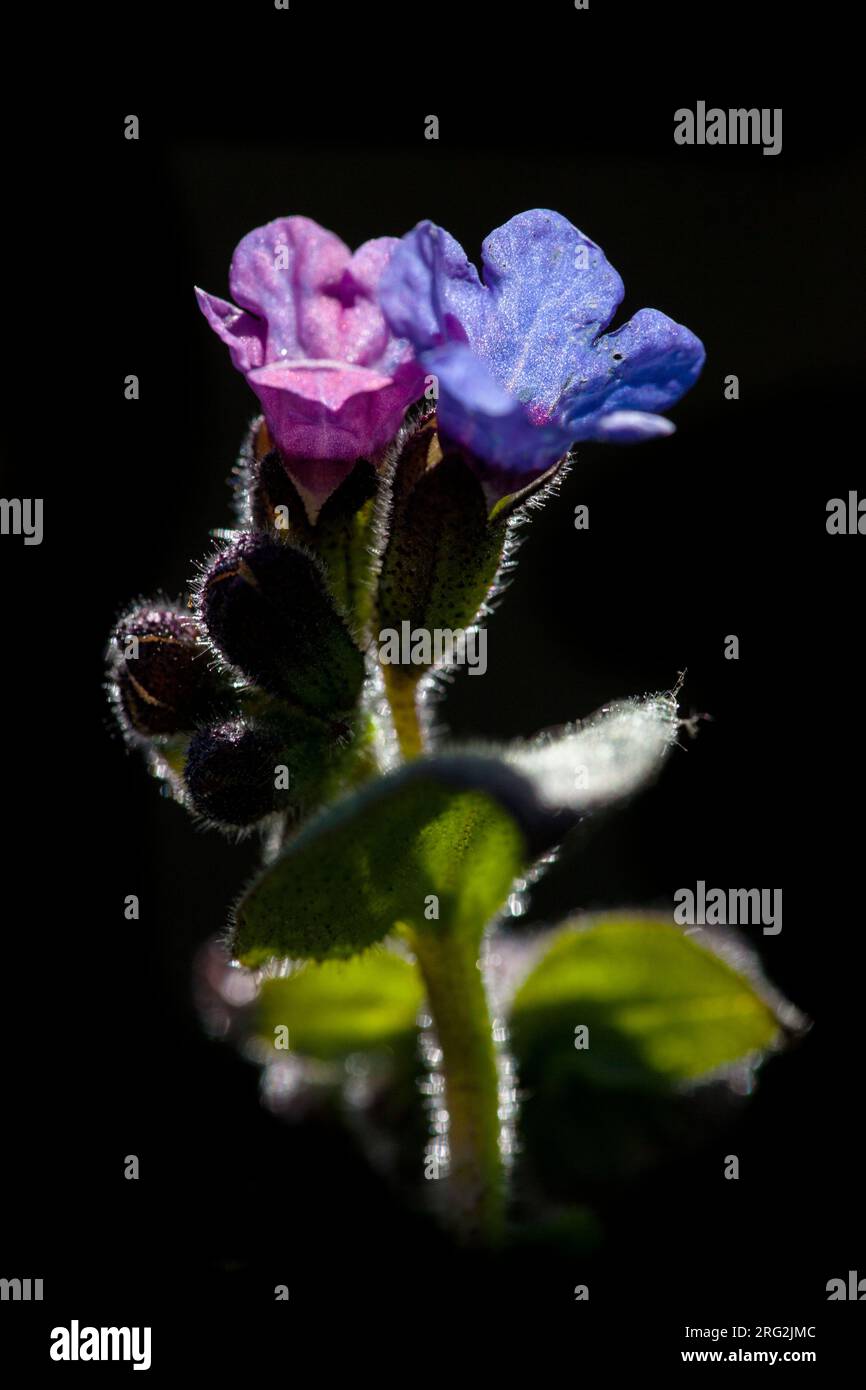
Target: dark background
{"points": [[719, 530]]}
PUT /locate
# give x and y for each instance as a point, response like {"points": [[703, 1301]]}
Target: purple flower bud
{"points": [[232, 773], [275, 504], [161, 673], [267, 609]]}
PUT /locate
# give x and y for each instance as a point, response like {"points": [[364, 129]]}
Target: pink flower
{"points": [[309, 336]]}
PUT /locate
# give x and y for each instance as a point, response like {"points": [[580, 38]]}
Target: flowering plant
{"points": [[413, 416]]}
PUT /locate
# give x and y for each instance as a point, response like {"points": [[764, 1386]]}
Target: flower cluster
{"points": [[336, 346], [412, 412], [251, 700]]}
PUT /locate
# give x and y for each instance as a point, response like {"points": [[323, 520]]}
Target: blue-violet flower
{"points": [[524, 368]]}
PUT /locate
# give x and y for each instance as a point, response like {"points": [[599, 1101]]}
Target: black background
{"points": [[719, 530]]}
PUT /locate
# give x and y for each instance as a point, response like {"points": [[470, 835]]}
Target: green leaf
{"points": [[379, 858], [660, 1009], [590, 765], [341, 1007]]}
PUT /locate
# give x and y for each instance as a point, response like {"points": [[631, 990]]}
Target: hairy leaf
{"points": [[340, 1007], [660, 1008], [604, 758], [424, 847]]}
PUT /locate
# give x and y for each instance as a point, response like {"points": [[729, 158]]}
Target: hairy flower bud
{"points": [[275, 504], [341, 536], [233, 775], [267, 609], [162, 678], [443, 551]]}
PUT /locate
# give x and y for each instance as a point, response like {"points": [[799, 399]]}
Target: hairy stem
{"points": [[401, 690], [458, 1004]]}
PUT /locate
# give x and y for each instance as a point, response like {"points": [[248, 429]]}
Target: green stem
{"points": [[458, 1004], [400, 689]]}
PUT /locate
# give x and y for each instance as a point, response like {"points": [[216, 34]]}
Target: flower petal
{"points": [[632, 427], [317, 410], [495, 429], [646, 366], [547, 291], [281, 273], [430, 291], [318, 300], [552, 290], [371, 343], [243, 334]]}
